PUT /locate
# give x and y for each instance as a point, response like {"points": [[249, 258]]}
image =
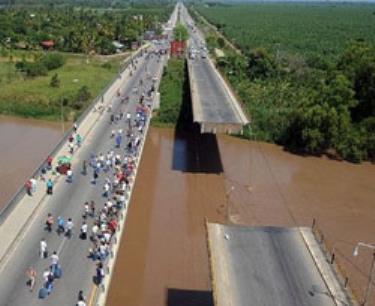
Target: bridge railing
{"points": [[21, 192]]}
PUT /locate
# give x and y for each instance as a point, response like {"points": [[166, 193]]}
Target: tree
{"points": [[221, 42], [55, 81], [260, 64], [83, 94], [180, 33]]}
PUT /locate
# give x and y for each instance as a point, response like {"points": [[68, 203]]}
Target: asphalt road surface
{"points": [[67, 201], [216, 105], [264, 266]]}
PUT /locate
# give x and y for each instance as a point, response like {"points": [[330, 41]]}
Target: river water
{"points": [[24, 143], [185, 180]]}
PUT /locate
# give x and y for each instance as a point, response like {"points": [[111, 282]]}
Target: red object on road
{"points": [[49, 161], [177, 47]]}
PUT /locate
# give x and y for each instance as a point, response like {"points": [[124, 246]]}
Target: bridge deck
{"points": [[214, 106], [264, 266]]}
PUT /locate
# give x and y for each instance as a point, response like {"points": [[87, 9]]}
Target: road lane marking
{"points": [[92, 295]]}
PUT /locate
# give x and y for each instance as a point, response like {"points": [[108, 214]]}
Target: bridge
{"points": [[23, 219], [215, 107]]}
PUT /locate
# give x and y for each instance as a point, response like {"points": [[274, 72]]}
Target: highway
{"points": [[214, 106], [68, 201]]}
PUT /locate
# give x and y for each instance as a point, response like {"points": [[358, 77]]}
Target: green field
{"points": [[306, 29], [34, 97]]}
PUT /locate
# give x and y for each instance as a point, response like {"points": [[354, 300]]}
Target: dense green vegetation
{"points": [[309, 30], [171, 93], [78, 30], [307, 73], [180, 33], [107, 4], [72, 85]]}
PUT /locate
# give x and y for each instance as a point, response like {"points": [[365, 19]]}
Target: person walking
{"points": [[69, 228], [81, 297], [54, 260], [69, 176], [71, 147], [99, 273], [78, 140], [33, 184], [106, 188], [31, 276], [49, 222], [43, 251], [84, 231], [60, 225], [28, 187], [49, 185]]}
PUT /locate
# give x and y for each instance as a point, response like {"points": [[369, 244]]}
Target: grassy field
{"points": [[34, 97], [306, 29], [171, 93]]}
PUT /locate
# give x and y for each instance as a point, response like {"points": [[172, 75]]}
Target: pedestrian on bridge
{"points": [[49, 185], [49, 223], [69, 228], [31, 276], [99, 273], [33, 184], [54, 260], [69, 176], [78, 140], [81, 299], [60, 225], [84, 231], [43, 251], [28, 187]]}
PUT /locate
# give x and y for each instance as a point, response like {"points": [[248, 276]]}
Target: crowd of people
{"points": [[113, 171]]}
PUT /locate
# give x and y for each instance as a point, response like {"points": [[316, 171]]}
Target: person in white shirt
{"points": [[69, 228], [69, 175], [54, 259], [84, 230], [43, 248], [33, 184]]}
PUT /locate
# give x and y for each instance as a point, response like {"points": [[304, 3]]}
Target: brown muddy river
{"points": [[24, 143], [184, 181]]}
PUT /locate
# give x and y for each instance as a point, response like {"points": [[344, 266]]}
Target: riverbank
{"points": [[183, 180]]}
